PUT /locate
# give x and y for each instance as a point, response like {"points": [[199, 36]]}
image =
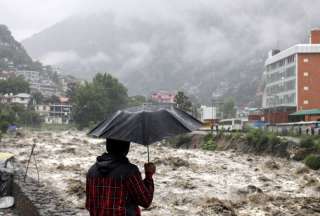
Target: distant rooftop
{"points": [[23, 95]]}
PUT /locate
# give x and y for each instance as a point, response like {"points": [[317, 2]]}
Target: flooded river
{"points": [[187, 182]]}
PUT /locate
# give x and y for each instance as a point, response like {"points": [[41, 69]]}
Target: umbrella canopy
{"points": [[146, 124]]}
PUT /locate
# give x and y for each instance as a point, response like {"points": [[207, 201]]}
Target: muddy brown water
{"points": [[188, 182]]}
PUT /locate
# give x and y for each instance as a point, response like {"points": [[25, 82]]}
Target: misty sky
{"points": [[161, 39], [27, 17]]}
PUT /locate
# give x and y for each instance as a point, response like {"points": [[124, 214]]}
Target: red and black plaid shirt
{"points": [[108, 196]]}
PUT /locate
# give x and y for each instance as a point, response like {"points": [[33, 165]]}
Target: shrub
{"points": [[208, 137], [236, 136], [209, 145], [273, 139], [261, 139], [208, 142], [317, 146], [4, 126], [254, 136], [307, 142], [313, 161]]}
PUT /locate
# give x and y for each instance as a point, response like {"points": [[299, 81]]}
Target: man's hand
{"points": [[149, 169]]}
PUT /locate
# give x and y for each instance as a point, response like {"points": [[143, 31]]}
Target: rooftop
{"points": [[299, 48]]}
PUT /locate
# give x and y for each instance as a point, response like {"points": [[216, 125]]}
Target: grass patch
{"points": [[313, 161], [260, 139], [307, 142]]}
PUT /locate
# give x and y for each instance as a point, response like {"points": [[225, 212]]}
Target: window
{"points": [[290, 59], [305, 60], [305, 102], [282, 62], [306, 74], [306, 88], [291, 71], [237, 121], [225, 123]]}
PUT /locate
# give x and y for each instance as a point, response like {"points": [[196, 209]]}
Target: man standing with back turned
{"points": [[115, 186]]}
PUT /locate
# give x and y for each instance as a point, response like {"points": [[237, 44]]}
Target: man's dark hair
{"points": [[117, 148]]}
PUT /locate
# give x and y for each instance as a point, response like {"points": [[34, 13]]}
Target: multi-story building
{"points": [[43, 110], [21, 98], [59, 114], [163, 97], [29, 75], [56, 113], [292, 80], [6, 74], [46, 87], [38, 83], [208, 115]]}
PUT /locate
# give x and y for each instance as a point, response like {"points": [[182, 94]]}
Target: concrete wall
{"points": [[23, 204]]}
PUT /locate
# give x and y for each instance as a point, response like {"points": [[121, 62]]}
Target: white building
{"points": [[292, 81], [59, 114], [208, 113], [46, 87], [29, 75], [21, 98], [38, 82], [42, 109]]}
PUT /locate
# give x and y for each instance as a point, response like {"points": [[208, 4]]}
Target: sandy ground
{"points": [[188, 182]]}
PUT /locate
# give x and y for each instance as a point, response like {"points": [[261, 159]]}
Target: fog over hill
{"points": [[200, 48]]}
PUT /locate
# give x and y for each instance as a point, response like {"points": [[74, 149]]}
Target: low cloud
{"points": [[59, 57], [67, 57]]}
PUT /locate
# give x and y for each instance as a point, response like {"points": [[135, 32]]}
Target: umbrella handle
{"points": [[148, 153]]}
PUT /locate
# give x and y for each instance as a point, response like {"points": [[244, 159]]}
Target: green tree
{"points": [[14, 85], [17, 114], [136, 100], [183, 102], [38, 97], [29, 118], [7, 116], [53, 99], [97, 99], [71, 90], [228, 108]]}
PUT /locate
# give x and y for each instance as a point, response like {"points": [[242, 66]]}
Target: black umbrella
{"points": [[146, 124]]}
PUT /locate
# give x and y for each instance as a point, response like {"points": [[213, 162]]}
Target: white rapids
{"points": [[186, 180]]}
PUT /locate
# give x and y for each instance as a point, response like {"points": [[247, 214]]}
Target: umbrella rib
{"points": [[102, 122], [196, 121], [180, 122]]}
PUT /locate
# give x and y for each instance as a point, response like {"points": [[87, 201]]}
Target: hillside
{"points": [[11, 51], [203, 53], [13, 57]]}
